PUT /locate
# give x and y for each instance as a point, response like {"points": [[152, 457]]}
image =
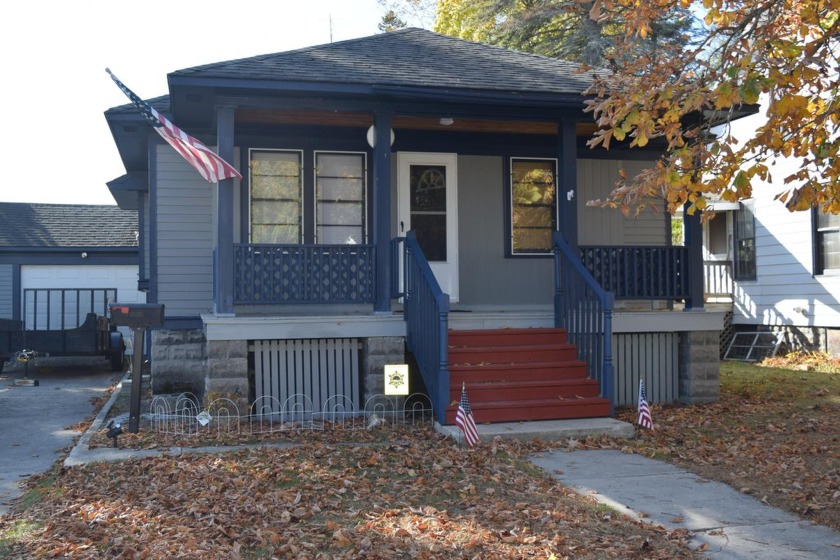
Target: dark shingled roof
{"points": [[66, 225], [408, 57]]}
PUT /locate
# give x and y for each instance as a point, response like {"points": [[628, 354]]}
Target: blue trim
{"points": [[382, 210], [567, 182], [142, 241], [152, 296], [223, 271], [17, 290], [693, 231]]}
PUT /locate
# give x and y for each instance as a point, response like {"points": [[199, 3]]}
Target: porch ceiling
{"points": [[405, 122]]}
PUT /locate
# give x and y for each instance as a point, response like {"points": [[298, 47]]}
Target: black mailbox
{"points": [[137, 314]]}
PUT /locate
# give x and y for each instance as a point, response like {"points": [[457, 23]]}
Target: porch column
{"points": [[693, 231], [382, 209], [567, 191], [223, 263]]}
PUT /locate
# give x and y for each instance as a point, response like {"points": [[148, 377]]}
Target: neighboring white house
{"points": [[786, 265]]}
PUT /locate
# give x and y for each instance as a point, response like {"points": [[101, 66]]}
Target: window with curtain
{"points": [[340, 198], [533, 205]]}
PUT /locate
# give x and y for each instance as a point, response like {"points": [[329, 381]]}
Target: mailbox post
{"points": [[138, 316]]}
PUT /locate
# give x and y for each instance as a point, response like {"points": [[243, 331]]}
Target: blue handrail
{"points": [[426, 310], [585, 310]]}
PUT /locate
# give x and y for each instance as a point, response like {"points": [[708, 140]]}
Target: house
{"points": [[59, 262], [780, 270], [408, 197]]}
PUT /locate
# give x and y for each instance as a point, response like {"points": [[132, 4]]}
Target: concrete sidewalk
{"points": [[735, 526]]}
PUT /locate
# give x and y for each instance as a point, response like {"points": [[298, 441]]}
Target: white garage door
{"points": [[123, 278]]}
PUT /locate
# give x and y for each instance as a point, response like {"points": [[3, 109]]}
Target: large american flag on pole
{"points": [[206, 161], [645, 420], [464, 418]]}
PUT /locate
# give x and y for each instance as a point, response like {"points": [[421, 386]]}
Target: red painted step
{"points": [[528, 390], [507, 337], [551, 409], [516, 375]]}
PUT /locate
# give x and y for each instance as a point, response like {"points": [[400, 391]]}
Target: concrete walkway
{"points": [[34, 419], [734, 526]]}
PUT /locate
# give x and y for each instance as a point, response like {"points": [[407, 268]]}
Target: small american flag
{"points": [[206, 161], [464, 418], [645, 421]]}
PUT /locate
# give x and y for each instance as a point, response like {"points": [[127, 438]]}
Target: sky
{"points": [[55, 90]]}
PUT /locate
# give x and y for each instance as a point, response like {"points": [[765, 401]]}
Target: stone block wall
{"points": [[699, 363], [227, 372], [178, 361], [376, 354]]}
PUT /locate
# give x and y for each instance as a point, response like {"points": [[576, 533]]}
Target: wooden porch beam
{"points": [[223, 296], [693, 229], [382, 209], [567, 191]]}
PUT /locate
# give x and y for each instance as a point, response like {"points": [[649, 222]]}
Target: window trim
{"points": [[365, 201], [249, 204], [736, 272], [818, 254], [508, 186]]}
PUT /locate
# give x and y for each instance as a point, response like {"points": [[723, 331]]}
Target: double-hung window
{"points": [[533, 205], [327, 205], [745, 268], [827, 243]]}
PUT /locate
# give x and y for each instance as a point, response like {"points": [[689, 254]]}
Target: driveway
{"points": [[35, 420]]}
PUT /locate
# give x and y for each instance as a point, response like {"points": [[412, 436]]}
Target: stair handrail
{"points": [[585, 310], [426, 310]]}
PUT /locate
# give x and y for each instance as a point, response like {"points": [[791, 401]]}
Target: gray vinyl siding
{"points": [[785, 291], [185, 233], [7, 295], [486, 276], [608, 226]]}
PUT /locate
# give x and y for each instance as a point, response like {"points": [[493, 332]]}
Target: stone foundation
{"points": [[699, 363], [227, 372], [179, 361], [376, 354]]}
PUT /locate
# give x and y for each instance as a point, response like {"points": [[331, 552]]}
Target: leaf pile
{"points": [[775, 434], [423, 497]]}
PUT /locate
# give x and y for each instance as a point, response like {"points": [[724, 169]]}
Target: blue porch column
{"points": [[567, 191], [223, 295], [382, 209], [693, 231]]}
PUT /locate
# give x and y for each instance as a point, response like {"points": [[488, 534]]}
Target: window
{"points": [[533, 205], [276, 197], [827, 243], [745, 241], [289, 206], [340, 193]]}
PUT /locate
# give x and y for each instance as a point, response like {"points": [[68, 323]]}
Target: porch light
{"points": [[447, 121], [371, 136]]}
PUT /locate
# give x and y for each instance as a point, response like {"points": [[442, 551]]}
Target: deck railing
{"points": [[631, 272], [717, 279], [584, 309], [426, 310], [304, 274]]}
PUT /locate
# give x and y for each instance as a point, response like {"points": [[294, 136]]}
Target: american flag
{"points": [[464, 418], [206, 161], [645, 421]]}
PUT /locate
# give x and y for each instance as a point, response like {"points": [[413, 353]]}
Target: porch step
{"points": [[527, 390], [543, 409], [507, 337], [521, 374]]}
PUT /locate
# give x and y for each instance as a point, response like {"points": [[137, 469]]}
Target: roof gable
{"points": [[66, 225], [408, 57]]}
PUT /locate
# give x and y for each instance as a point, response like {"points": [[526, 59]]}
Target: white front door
{"points": [[427, 201]]}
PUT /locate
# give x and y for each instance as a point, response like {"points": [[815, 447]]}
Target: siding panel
{"points": [[7, 295]]}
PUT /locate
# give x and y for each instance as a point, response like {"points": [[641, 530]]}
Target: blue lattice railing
{"points": [[639, 272], [426, 310], [584, 309], [303, 274]]}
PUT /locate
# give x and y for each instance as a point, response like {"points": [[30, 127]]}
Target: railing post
{"points": [[607, 383], [382, 209], [694, 247], [443, 357]]}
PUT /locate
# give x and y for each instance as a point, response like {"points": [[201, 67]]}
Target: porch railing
{"points": [[584, 309], [426, 310], [638, 272], [717, 279], [303, 274]]}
